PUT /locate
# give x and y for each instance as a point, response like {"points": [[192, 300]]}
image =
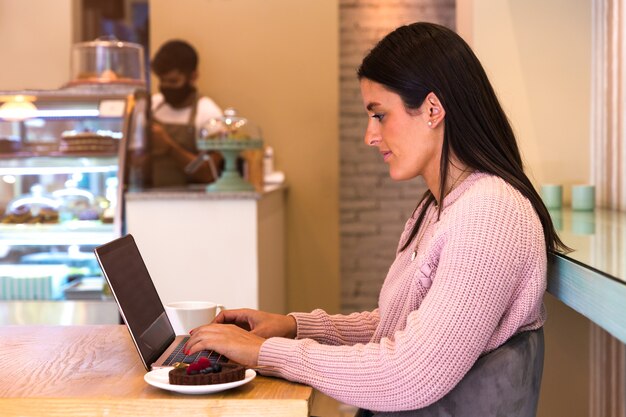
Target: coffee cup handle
{"points": [[220, 307]]}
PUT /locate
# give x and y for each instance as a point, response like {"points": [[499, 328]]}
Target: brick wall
{"points": [[373, 207]]}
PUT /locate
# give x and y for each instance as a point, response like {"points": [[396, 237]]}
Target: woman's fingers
{"points": [[204, 338], [230, 340], [259, 323], [240, 317]]}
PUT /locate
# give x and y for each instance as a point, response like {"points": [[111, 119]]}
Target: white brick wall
{"points": [[373, 207]]}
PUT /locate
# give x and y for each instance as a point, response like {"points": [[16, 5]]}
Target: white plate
{"points": [[159, 378]]}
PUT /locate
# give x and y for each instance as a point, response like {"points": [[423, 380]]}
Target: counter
{"points": [[226, 247], [198, 192], [95, 371], [592, 278], [66, 312]]}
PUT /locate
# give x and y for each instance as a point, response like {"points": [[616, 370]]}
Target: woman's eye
{"points": [[378, 116]]}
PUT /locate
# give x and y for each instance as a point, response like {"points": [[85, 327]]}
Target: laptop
{"points": [[141, 307]]}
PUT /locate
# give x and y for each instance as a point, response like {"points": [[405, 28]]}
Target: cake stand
{"points": [[230, 180]]}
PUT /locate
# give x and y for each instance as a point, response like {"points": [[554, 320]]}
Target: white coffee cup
{"points": [[187, 315]]}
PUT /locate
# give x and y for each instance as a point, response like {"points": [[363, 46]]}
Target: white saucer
{"points": [[159, 378]]}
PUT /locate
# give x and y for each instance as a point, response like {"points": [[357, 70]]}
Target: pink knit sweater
{"points": [[478, 279]]}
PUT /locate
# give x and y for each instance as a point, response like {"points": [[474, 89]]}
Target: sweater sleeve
{"points": [[336, 329], [478, 272]]}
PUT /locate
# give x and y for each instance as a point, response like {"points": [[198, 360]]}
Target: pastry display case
{"points": [[66, 158]]}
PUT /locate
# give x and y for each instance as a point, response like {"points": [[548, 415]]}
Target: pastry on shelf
{"points": [[89, 142], [9, 146], [36, 207], [25, 215]]}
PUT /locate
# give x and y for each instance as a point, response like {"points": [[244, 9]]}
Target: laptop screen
{"points": [[136, 296]]}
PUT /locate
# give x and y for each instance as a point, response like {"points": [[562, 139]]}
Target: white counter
{"points": [[223, 247]]}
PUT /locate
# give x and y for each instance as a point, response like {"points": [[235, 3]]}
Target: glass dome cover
{"points": [[231, 135], [230, 126], [107, 60]]}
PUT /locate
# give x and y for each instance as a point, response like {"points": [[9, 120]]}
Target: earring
{"points": [[430, 123]]}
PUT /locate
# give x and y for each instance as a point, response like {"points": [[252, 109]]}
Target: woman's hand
{"points": [[239, 334], [237, 344], [259, 323]]}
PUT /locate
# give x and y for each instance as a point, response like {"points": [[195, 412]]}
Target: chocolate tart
{"points": [[229, 373]]}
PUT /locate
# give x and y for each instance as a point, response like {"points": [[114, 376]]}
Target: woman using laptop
{"points": [[470, 268]]}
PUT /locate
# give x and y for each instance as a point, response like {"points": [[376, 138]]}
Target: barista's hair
{"points": [[175, 55], [420, 58]]}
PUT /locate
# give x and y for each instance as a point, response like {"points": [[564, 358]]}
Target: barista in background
{"points": [[178, 113]]}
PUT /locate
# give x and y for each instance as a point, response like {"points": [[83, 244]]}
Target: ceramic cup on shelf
{"points": [[187, 315], [552, 195], [583, 197]]}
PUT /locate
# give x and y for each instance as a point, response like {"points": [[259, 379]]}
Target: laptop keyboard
{"points": [[179, 356]]}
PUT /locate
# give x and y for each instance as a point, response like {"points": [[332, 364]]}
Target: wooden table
{"points": [[95, 371]]}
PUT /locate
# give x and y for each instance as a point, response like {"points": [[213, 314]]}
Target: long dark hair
{"points": [[420, 58]]}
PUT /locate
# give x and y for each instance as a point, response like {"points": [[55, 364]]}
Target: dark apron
{"points": [[165, 170]]}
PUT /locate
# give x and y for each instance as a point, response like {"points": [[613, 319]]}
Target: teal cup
{"points": [[552, 195], [583, 197]]}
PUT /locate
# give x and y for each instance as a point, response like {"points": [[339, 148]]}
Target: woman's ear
{"points": [[434, 109]]}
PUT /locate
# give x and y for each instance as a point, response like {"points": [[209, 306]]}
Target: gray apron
{"points": [[165, 170]]}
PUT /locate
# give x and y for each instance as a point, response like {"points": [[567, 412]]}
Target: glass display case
{"points": [[66, 158]]}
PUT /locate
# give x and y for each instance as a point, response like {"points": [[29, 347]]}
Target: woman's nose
{"points": [[372, 138]]}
